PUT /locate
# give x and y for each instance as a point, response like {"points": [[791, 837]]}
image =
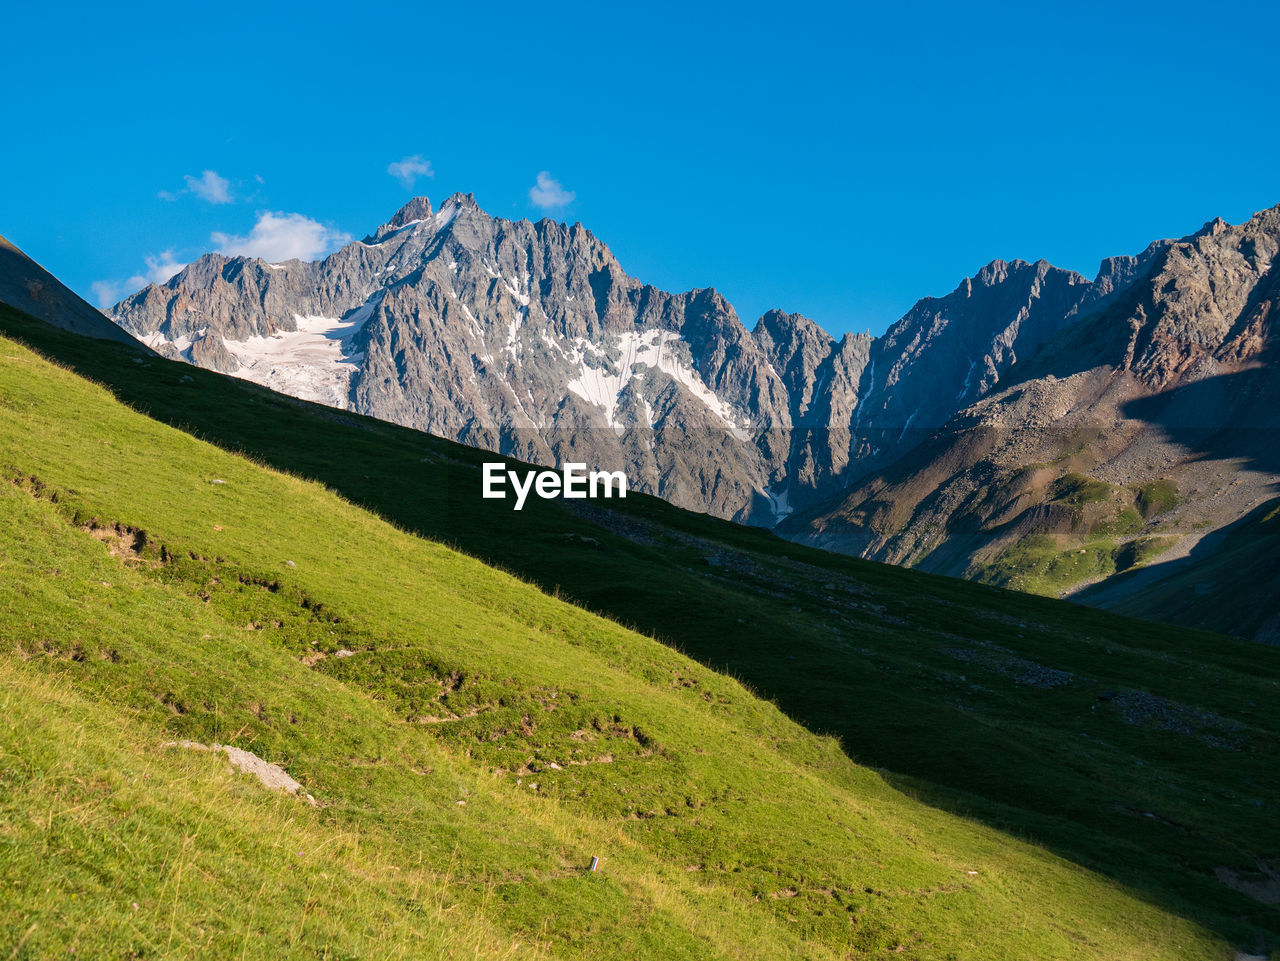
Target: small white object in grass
{"points": [[344, 653], [271, 775], [291, 563], [217, 480]]}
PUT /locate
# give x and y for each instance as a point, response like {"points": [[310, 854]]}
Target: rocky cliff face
{"points": [[519, 337], [530, 339], [1131, 440]]}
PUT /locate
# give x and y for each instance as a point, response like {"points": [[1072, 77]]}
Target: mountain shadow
{"points": [[1231, 578]]}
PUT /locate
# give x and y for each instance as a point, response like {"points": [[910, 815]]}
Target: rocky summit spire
{"points": [[419, 208]]}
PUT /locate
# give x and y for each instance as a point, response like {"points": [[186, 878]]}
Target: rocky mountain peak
{"points": [[460, 201], [785, 337], [1214, 228], [996, 272], [419, 208]]}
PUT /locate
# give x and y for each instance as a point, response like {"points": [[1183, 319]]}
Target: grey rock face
{"points": [[530, 339], [948, 352], [1163, 373], [519, 337]]}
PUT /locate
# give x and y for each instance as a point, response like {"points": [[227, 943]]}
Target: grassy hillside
{"points": [[1232, 572], [725, 827], [1090, 531]]}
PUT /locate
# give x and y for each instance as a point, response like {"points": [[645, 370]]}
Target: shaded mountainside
{"points": [[1140, 435], [26, 285], [1144, 753], [530, 339]]}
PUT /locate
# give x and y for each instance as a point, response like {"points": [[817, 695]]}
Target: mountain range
{"points": [[1033, 428]]}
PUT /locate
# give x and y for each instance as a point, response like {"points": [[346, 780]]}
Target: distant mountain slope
{"points": [[1131, 437], [1228, 582], [26, 285], [1143, 752]]}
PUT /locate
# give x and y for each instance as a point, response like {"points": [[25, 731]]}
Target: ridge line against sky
{"points": [[840, 162]]}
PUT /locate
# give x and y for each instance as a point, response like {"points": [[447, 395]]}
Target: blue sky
{"points": [[836, 160]]}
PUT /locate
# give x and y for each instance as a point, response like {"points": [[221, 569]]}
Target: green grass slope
{"points": [[1106, 534], [1233, 572], [725, 826]]}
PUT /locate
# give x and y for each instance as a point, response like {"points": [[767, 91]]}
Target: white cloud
{"points": [[547, 193], [209, 186], [167, 195], [159, 269], [107, 292], [410, 169], [281, 236]]}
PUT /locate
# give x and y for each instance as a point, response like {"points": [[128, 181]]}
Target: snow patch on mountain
{"points": [[182, 345], [315, 362], [655, 349], [446, 215], [779, 503]]}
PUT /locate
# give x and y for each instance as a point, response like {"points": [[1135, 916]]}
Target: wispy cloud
{"points": [[409, 169], [209, 186], [281, 236], [159, 269], [548, 193], [106, 292]]}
